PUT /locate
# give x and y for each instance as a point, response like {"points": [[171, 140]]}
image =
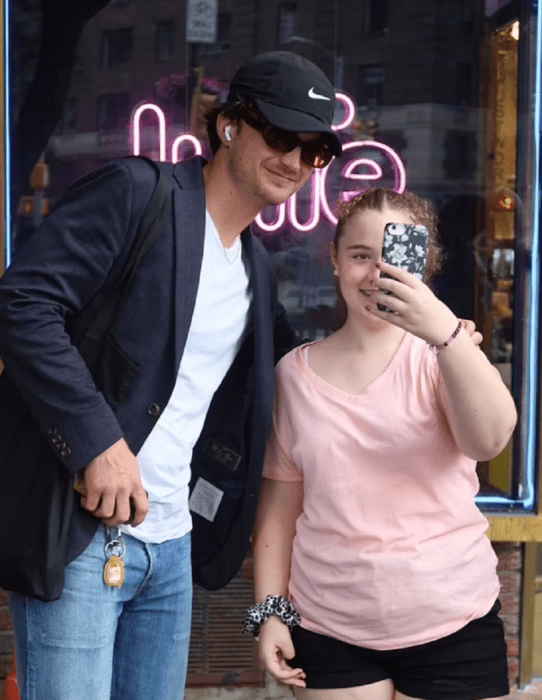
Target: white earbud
{"points": [[227, 133]]}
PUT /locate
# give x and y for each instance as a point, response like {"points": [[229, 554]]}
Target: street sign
{"points": [[201, 21]]}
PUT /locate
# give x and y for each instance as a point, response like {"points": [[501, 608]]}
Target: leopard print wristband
{"points": [[261, 612]]}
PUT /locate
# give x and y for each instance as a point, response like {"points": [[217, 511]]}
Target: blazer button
{"points": [[65, 452], [56, 439], [52, 431], [153, 409]]}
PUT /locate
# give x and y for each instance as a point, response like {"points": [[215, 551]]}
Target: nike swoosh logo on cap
{"points": [[315, 96]]}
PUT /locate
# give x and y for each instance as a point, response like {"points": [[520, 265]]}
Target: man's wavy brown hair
{"points": [[235, 112]]}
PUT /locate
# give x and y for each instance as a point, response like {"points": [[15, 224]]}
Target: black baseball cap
{"points": [[290, 91]]}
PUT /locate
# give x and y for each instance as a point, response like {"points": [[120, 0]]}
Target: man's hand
{"points": [[112, 482], [470, 328]]}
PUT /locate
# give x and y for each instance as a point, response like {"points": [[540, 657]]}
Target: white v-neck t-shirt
{"points": [[220, 318]]}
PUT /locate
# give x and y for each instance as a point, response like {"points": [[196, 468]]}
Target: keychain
{"points": [[114, 567]]}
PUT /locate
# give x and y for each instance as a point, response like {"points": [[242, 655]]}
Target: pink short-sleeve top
{"points": [[391, 550]]}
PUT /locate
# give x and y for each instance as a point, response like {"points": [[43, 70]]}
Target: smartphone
{"points": [[405, 246]]}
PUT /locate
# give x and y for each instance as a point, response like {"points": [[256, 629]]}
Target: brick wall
{"points": [[6, 640], [509, 570]]}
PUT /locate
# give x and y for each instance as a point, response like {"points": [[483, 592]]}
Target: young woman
{"points": [[367, 519]]}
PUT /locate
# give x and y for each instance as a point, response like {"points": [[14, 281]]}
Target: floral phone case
{"points": [[405, 246]]}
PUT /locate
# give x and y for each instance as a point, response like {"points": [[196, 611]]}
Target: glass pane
{"points": [[440, 98]]}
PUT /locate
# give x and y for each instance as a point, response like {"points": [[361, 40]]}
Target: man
{"points": [[202, 329]]}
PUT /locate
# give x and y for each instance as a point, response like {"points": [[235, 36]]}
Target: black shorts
{"points": [[467, 665]]}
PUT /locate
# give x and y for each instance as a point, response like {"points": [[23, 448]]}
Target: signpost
{"points": [[201, 18]]}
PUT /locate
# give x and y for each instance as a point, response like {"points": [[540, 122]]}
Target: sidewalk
{"points": [[278, 692], [531, 692]]}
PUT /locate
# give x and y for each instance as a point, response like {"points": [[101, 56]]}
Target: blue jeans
{"points": [[101, 643]]}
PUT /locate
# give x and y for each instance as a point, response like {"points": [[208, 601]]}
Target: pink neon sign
{"points": [[182, 139], [320, 195], [349, 111], [370, 161], [136, 128], [386, 153]]}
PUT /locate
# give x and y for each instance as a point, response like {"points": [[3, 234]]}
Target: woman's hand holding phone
{"points": [[413, 306], [404, 299]]}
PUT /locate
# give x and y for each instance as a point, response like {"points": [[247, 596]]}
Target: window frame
{"points": [[526, 380], [107, 61], [283, 35], [159, 38], [365, 70], [222, 45], [101, 101], [370, 12]]}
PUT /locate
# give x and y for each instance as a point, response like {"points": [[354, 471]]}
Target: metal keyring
{"points": [[116, 544], [117, 548]]}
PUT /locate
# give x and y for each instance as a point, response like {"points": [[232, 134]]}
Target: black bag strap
{"points": [[150, 225]]}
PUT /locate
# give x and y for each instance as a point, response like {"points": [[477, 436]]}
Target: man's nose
{"points": [[292, 159]]}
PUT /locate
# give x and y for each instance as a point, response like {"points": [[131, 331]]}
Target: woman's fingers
{"points": [[279, 668], [275, 650], [471, 331], [390, 301], [397, 273], [399, 289], [291, 676]]}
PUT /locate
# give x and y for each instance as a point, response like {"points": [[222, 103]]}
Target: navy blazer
{"points": [[63, 271]]}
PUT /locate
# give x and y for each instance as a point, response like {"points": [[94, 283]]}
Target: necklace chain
{"points": [[239, 246]]}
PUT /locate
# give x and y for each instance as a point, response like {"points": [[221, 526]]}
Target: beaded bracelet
{"points": [[437, 348], [261, 612]]}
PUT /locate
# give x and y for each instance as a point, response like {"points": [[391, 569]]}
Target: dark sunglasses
{"points": [[315, 154]]}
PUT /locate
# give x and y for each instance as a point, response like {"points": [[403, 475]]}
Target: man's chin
{"points": [[276, 196], [276, 202]]}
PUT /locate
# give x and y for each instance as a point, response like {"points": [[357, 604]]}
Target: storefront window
{"points": [[442, 99]]}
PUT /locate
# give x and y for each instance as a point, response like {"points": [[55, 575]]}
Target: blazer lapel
{"points": [[263, 329], [189, 235]]}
